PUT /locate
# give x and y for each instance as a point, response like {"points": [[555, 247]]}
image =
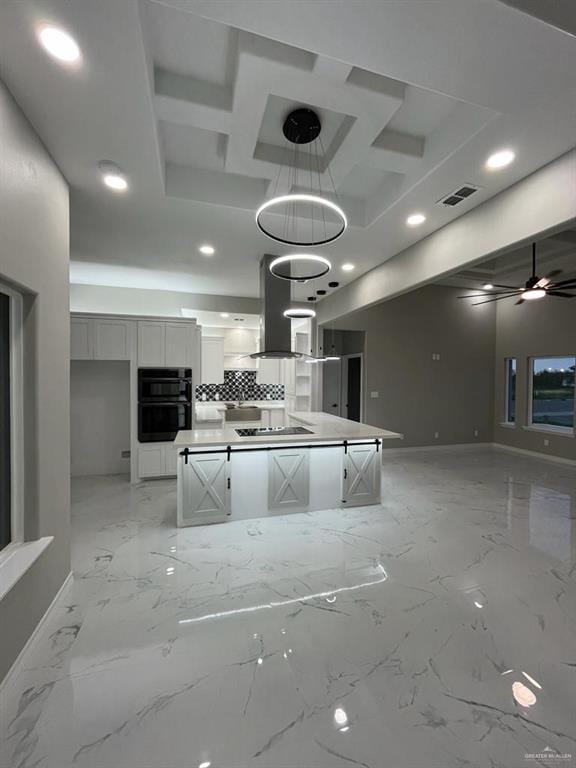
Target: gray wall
{"points": [[34, 250], [100, 417], [419, 396], [538, 329]]}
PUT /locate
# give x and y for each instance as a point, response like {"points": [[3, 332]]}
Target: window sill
{"points": [[508, 424], [16, 559], [550, 430]]}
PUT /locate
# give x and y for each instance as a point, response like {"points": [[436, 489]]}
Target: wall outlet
{"points": [[435, 355], [546, 442], [436, 435], [374, 395], [125, 454]]}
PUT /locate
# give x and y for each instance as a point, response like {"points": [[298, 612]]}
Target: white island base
{"points": [[222, 476]]}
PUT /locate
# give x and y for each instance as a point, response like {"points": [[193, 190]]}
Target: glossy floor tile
{"points": [[435, 631]]}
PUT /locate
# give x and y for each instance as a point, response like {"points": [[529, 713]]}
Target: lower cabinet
{"points": [[362, 475], [203, 489], [288, 479], [157, 460]]}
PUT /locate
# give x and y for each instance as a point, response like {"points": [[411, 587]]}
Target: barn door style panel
{"points": [[288, 480], [204, 489], [362, 476]]}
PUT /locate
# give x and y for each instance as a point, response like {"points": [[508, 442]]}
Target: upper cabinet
{"points": [[212, 359], [166, 344], [100, 338], [150, 343]]}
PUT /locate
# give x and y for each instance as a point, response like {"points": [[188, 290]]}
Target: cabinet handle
{"points": [[345, 474], [228, 484]]}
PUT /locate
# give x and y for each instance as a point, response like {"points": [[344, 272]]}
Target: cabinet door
{"points": [[212, 360], [180, 344], [362, 476], [276, 417], [288, 479], [112, 339], [151, 343], [151, 461], [203, 489], [171, 459], [269, 372], [81, 339]]}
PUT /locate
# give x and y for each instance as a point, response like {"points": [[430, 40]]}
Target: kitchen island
{"points": [[318, 461]]}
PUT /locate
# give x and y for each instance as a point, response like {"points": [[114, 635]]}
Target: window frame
{"points": [[508, 422], [16, 422], [536, 426]]}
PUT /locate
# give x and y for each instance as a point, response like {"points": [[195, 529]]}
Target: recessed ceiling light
{"points": [[59, 44], [207, 250], [487, 286], [500, 159], [224, 314], [415, 219], [347, 267], [115, 181]]}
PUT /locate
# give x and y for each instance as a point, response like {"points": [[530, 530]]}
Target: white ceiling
{"points": [[186, 97]]}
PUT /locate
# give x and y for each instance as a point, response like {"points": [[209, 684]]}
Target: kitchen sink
{"points": [[243, 413]]}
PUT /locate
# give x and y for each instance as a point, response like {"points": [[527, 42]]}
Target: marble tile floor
{"points": [[437, 630]]}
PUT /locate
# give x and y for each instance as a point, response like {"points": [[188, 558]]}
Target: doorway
{"points": [[342, 387]]}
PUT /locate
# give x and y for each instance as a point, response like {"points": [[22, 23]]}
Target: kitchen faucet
{"points": [[241, 396]]}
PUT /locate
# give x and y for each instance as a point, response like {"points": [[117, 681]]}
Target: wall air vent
{"points": [[459, 195]]}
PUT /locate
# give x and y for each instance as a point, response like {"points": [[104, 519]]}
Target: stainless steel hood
{"points": [[275, 329]]}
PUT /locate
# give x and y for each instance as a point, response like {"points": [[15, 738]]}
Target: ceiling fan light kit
{"points": [[535, 288]]}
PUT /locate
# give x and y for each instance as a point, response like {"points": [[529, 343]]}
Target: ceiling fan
{"points": [[534, 288]]}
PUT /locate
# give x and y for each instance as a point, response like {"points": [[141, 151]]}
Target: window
{"points": [[5, 425], [552, 401], [510, 408]]}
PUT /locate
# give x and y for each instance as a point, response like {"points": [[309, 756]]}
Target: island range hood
{"points": [[275, 329]]}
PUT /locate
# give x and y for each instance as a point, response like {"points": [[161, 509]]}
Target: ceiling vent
{"points": [[459, 195]]}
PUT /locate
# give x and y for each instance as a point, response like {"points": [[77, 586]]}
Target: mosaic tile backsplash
{"points": [[240, 385]]}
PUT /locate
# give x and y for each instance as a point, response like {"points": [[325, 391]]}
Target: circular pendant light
{"points": [[304, 215], [299, 314], [300, 267]]}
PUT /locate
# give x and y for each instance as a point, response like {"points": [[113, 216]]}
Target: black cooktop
{"points": [[256, 431]]}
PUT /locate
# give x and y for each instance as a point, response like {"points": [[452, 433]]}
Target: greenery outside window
{"points": [[552, 392]]}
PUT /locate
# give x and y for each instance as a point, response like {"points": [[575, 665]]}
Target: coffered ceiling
{"points": [[188, 98]]}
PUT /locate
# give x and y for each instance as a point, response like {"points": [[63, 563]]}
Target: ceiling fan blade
{"points": [[554, 273], [562, 294], [496, 298], [565, 283], [511, 287], [487, 293]]}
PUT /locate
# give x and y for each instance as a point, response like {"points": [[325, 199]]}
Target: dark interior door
{"points": [[354, 390], [5, 437]]}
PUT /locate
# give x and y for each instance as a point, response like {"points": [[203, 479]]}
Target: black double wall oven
{"points": [[164, 403]]}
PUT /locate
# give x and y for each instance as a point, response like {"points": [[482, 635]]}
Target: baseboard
{"points": [[535, 454], [444, 447], [12, 672]]}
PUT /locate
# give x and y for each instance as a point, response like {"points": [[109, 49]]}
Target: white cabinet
{"points": [[212, 359], [157, 460], [100, 338], [288, 479], [362, 475], [180, 343], [151, 343], [165, 344], [81, 339], [151, 460], [269, 372], [113, 339], [203, 489]]}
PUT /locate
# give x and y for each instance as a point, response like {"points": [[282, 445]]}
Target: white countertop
{"points": [[323, 426]]}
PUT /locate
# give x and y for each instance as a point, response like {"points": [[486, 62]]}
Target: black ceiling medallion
{"points": [[301, 211], [534, 288]]}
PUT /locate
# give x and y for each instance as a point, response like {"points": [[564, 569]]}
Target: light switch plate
{"points": [[374, 395]]}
